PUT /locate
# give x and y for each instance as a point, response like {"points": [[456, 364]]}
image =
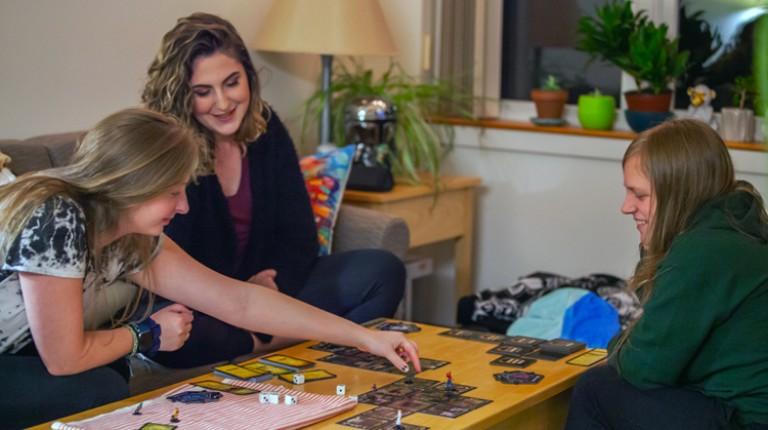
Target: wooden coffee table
{"points": [[540, 406]]}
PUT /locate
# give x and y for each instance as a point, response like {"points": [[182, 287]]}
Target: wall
{"points": [[551, 202], [67, 64]]}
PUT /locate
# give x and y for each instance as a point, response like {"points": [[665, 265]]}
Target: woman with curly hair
{"points": [[250, 216]]}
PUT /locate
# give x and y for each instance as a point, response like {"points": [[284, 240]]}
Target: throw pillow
{"points": [[325, 176]]}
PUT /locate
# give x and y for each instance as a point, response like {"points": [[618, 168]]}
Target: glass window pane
{"points": [[539, 39]]}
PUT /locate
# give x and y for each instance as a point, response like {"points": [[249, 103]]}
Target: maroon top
{"points": [[240, 207]]}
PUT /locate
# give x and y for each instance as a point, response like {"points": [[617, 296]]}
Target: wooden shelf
{"points": [[575, 131]]}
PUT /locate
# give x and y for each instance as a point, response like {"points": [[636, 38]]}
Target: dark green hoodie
{"points": [[706, 324]]}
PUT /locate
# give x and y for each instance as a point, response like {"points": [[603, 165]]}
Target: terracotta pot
{"points": [[549, 104], [648, 102]]}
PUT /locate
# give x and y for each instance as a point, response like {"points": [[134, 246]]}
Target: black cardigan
{"points": [[283, 233]]}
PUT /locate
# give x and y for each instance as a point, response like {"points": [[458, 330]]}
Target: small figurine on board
{"points": [[449, 382], [399, 420], [137, 411], [175, 416]]}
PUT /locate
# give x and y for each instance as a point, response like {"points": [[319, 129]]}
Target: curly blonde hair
{"points": [[168, 91]]}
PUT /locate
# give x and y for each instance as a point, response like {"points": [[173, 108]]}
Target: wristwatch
{"points": [[146, 337]]}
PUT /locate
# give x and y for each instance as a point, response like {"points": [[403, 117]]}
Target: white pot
{"points": [[737, 125]]}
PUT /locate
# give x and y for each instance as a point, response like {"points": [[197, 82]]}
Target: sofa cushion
{"points": [[325, 176], [40, 152]]}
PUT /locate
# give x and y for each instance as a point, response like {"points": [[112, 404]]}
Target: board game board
{"points": [[232, 411], [353, 357], [423, 396]]}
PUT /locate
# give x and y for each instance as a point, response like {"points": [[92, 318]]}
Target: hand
{"points": [[265, 278], [395, 347], [175, 324]]}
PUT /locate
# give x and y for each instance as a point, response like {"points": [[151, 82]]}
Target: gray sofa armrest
{"points": [[358, 228]]}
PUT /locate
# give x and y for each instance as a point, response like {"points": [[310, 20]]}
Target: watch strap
{"points": [[147, 326]]}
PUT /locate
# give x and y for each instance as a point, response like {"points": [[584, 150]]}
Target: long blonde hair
{"points": [[167, 89], [128, 158], [688, 165]]}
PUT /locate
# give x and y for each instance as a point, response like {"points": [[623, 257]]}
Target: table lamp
{"points": [[328, 28]]}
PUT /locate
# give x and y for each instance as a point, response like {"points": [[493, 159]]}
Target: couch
{"points": [[355, 228]]}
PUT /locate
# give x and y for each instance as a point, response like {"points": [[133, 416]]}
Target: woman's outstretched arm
{"points": [[175, 275]]}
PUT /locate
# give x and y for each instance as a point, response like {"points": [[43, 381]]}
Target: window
{"points": [[538, 42], [718, 35]]}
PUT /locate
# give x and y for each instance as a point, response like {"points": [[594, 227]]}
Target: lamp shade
{"points": [[329, 27]]}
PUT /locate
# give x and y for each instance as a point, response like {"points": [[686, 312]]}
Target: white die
{"points": [[290, 400], [341, 390], [263, 397], [298, 378], [273, 398]]}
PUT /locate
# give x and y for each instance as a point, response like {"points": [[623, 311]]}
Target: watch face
{"points": [[145, 341]]}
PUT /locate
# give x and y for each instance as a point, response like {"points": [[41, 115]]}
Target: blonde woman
{"points": [[698, 356], [250, 216], [100, 219]]}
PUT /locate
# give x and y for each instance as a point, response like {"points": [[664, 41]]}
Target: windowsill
{"points": [[504, 124]]}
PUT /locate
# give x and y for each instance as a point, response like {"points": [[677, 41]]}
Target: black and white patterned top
{"points": [[52, 243]]}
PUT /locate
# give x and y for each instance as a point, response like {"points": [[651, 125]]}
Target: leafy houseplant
{"points": [[738, 123], [597, 111], [419, 145], [639, 47], [549, 99]]}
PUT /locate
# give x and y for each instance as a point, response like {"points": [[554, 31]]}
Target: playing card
{"points": [[220, 386], [561, 347], [513, 361], [402, 327], [261, 366], [282, 360], [310, 375], [524, 341], [589, 358], [242, 373], [155, 426], [508, 349]]}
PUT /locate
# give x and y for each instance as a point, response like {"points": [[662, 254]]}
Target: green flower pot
{"points": [[597, 112]]}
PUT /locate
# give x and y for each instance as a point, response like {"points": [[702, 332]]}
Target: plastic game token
{"points": [[203, 396], [518, 377]]}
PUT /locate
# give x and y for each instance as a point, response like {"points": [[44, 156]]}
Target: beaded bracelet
{"points": [[135, 337]]}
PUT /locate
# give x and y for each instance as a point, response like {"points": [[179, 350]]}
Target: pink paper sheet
{"points": [[232, 412]]}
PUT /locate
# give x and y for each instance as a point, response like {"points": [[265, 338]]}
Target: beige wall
{"points": [[66, 64]]}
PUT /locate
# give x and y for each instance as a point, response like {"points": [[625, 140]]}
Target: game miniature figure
{"points": [[290, 400], [298, 378], [399, 420], [341, 390], [449, 382], [203, 396], [137, 411], [175, 416]]}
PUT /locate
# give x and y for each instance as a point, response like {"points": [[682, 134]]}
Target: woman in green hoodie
{"points": [[698, 356]]}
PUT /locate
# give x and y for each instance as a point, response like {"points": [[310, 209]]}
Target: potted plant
{"points": [[640, 48], [550, 100], [597, 111], [419, 145], [738, 123]]}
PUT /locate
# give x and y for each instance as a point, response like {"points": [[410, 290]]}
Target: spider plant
{"points": [[419, 144]]}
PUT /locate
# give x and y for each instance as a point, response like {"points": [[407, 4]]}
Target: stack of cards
{"points": [[242, 373], [226, 388], [277, 371], [561, 347], [295, 365], [309, 375]]}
